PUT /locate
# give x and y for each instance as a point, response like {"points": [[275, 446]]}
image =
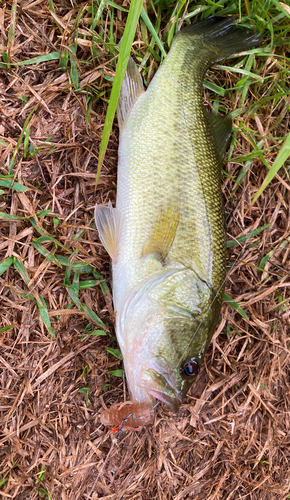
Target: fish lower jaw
{"points": [[173, 402], [140, 395], [150, 385], [150, 395]]}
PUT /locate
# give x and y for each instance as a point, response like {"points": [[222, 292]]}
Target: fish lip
{"points": [[173, 402], [163, 388]]}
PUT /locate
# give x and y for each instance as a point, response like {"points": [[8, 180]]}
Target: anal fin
{"points": [[109, 223]]}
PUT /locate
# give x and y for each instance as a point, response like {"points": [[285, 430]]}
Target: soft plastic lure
{"points": [[128, 415]]}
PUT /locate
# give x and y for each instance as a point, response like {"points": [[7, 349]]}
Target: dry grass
{"points": [[230, 439]]}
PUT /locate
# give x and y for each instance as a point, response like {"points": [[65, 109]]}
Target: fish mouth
{"points": [[161, 389], [173, 402]]}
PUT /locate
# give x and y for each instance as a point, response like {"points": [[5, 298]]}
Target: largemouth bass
{"points": [[166, 234]]}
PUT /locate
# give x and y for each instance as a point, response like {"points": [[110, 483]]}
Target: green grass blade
{"points": [[6, 60], [127, 40], [20, 140], [19, 266], [64, 60], [116, 353], [3, 480], [282, 156], [269, 255], [151, 28], [175, 18], [240, 70], [90, 313], [265, 259], [74, 75], [116, 373], [47, 237], [103, 284], [51, 6], [78, 235], [73, 291], [281, 7], [215, 88], [46, 253], [99, 13], [88, 284], [4, 143], [27, 296], [52, 56], [6, 329], [82, 268], [44, 212], [26, 142], [85, 390], [235, 306], [11, 32], [5, 264], [116, 6], [34, 224], [62, 260], [8, 183], [76, 283], [44, 315], [11, 217], [67, 276], [246, 237], [74, 296]]}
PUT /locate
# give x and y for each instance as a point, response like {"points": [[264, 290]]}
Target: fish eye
{"points": [[190, 368]]}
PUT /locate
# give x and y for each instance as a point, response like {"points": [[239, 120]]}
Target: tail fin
{"points": [[222, 36]]}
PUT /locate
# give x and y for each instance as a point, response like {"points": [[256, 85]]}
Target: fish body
{"points": [[166, 234]]}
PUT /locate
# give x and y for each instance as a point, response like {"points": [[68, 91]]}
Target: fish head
{"points": [[164, 330]]}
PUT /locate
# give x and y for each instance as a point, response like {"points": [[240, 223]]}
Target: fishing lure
{"points": [[128, 415]]}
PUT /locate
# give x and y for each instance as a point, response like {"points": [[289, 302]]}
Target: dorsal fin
{"points": [[132, 87], [221, 128]]}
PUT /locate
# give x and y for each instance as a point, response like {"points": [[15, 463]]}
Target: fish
{"points": [[166, 235]]}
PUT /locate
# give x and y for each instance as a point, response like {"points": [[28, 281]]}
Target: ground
{"points": [[59, 359]]}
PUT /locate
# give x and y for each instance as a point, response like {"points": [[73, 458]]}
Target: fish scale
{"points": [[166, 234]]}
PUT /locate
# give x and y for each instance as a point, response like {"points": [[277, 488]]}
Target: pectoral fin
{"points": [[221, 127], [109, 225], [132, 87], [163, 234]]}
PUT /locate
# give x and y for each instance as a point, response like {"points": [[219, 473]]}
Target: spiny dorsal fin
{"points": [[109, 225], [221, 127], [132, 87], [163, 234]]}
